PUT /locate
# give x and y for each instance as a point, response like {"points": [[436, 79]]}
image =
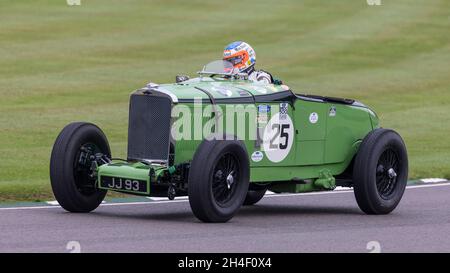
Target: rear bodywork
{"points": [[319, 135]]}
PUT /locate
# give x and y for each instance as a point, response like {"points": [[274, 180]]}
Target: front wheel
{"points": [[71, 177], [380, 172], [218, 180]]}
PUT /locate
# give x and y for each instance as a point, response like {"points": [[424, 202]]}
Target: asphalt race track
{"points": [[324, 222]]}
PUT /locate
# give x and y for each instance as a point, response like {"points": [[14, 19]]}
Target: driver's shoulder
{"points": [[261, 75]]}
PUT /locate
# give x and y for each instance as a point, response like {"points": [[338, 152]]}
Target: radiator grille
{"points": [[149, 127]]}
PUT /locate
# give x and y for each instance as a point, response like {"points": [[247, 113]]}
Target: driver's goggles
{"points": [[235, 60]]}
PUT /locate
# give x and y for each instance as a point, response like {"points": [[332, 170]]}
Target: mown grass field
{"points": [[61, 63]]}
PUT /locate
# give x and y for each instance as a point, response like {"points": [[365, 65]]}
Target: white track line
{"points": [[183, 200], [433, 180]]}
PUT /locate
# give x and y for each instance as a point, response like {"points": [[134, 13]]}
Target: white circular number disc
{"points": [[278, 137]]}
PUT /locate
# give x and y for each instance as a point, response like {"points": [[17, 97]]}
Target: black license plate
{"points": [[124, 184]]}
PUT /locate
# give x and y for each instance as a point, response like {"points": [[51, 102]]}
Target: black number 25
{"points": [[282, 133]]}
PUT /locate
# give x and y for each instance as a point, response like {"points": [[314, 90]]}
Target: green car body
{"points": [[223, 141], [325, 136]]}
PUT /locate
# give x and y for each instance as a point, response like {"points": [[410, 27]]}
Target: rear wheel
{"points": [[218, 180], [255, 193], [71, 177], [380, 172]]}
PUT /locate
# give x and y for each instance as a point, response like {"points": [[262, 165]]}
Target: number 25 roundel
{"points": [[278, 137]]}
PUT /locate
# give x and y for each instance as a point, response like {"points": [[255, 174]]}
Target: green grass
{"points": [[60, 64]]}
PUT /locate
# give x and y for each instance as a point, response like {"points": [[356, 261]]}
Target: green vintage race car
{"points": [[223, 141]]}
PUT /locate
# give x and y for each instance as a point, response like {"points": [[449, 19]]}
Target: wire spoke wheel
{"points": [[381, 171], [218, 179], [386, 175], [225, 178], [77, 151]]}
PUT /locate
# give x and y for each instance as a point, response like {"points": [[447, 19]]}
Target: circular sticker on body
{"points": [[257, 156], [313, 117], [278, 137]]}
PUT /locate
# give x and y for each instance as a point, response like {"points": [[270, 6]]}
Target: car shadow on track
{"points": [[184, 214], [296, 210]]}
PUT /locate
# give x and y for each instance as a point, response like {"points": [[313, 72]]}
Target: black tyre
{"points": [[380, 172], [255, 194], [70, 164], [218, 179]]}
